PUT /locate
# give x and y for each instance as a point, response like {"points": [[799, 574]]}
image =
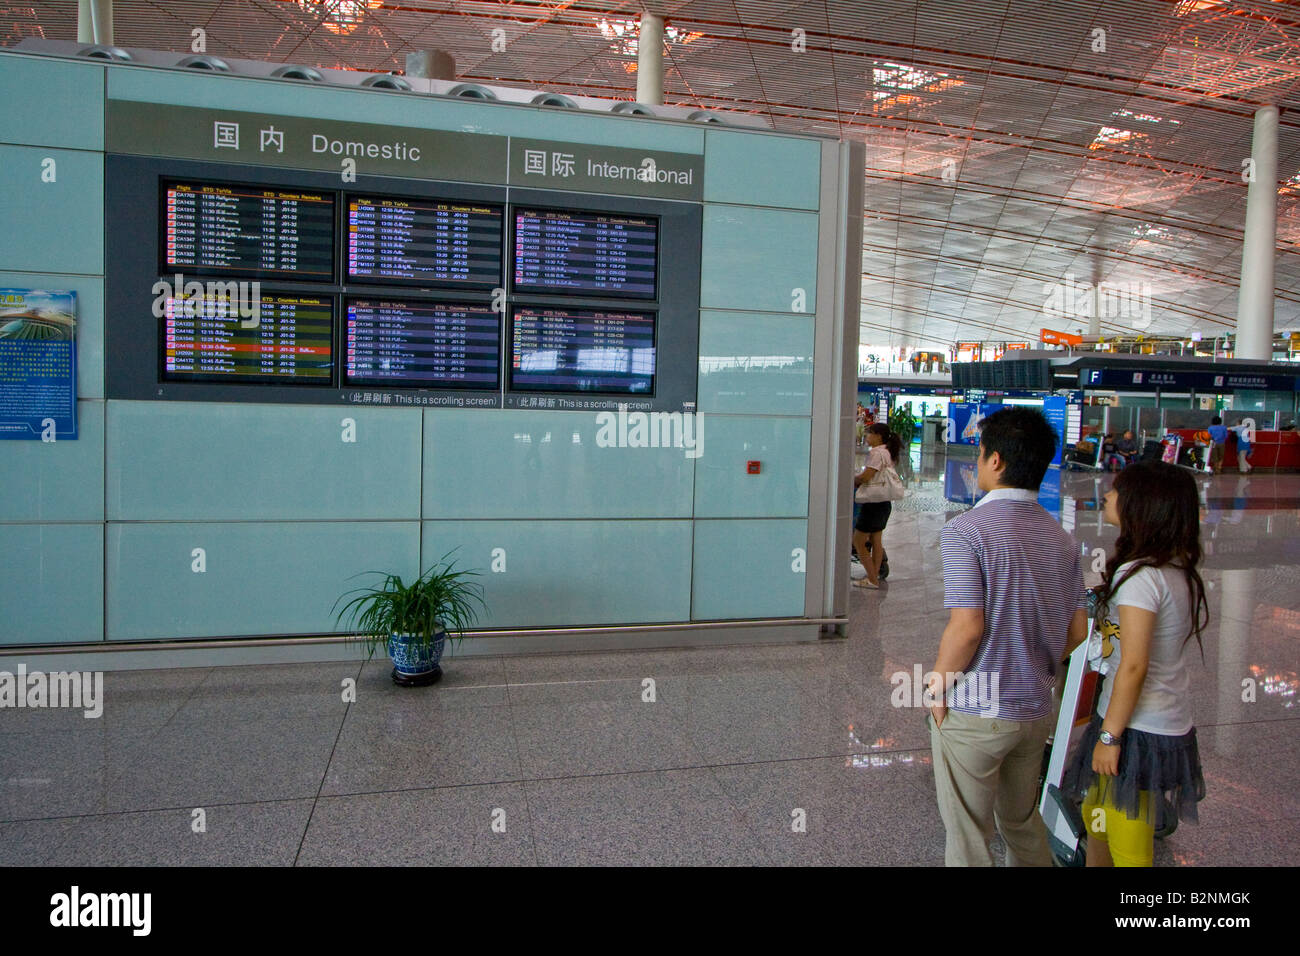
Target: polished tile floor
{"points": [[747, 755]]}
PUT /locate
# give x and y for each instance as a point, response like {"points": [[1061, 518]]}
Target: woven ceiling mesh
{"points": [[1009, 144]]}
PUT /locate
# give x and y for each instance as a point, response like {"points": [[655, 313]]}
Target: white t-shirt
{"points": [[1164, 705], [878, 458]]}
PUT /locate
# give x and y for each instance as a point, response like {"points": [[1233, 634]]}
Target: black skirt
{"points": [[873, 516], [1170, 766]]}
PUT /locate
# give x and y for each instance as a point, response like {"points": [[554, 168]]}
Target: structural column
{"points": [[1259, 246], [650, 60], [431, 65], [95, 21], [1094, 320]]}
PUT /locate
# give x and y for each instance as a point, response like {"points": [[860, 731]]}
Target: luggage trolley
{"points": [[1066, 829]]}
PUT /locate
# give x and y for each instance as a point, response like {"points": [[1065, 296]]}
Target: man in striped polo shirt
{"points": [[1012, 579]]}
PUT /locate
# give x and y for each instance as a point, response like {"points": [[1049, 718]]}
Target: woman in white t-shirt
{"points": [[1140, 750], [869, 529]]}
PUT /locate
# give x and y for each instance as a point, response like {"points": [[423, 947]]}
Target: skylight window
{"points": [[890, 79], [340, 16], [1144, 118], [1149, 230], [1192, 6], [1114, 136], [623, 35]]}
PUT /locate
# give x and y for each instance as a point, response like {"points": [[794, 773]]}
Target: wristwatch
{"points": [[1109, 739]]}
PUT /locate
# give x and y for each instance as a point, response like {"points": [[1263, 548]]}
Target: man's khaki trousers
{"points": [[986, 774]]}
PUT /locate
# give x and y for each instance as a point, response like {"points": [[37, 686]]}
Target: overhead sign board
{"points": [[1145, 380], [1053, 337], [374, 149]]}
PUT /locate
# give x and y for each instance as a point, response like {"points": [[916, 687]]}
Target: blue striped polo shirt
{"points": [[1008, 556]]}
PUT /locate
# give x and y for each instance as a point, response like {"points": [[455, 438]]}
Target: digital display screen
{"points": [[422, 344], [424, 242], [582, 350], [247, 231], [289, 340], [574, 253]]}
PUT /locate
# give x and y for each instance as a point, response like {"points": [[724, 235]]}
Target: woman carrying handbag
{"points": [[878, 486]]}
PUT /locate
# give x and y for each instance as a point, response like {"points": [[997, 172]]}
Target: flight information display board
{"points": [[582, 350], [424, 242], [403, 343], [254, 232], [289, 341], [560, 252]]}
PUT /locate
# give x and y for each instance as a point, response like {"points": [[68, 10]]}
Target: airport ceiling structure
{"points": [[1012, 147]]}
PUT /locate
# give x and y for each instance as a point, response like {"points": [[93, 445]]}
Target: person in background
{"points": [[1109, 456], [1218, 435], [1127, 448], [1245, 438], [1140, 750], [1014, 586], [868, 531]]}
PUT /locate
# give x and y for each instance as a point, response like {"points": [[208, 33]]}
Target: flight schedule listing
{"points": [[422, 344], [289, 339], [581, 350], [248, 231], [585, 253], [424, 242]]}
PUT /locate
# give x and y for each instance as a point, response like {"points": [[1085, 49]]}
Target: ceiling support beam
{"points": [[650, 60], [1259, 247], [95, 22]]}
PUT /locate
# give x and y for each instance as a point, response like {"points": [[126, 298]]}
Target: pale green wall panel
{"points": [[187, 461], [762, 170], [574, 573], [749, 569], [59, 480], [90, 321], [50, 102], [758, 259], [52, 588], [541, 464], [264, 578], [724, 488], [51, 226], [756, 363], [398, 109]]}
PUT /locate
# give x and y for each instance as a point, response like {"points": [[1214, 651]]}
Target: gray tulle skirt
{"points": [[1169, 766]]}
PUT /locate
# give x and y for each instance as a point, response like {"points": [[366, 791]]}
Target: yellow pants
{"points": [[1131, 842]]}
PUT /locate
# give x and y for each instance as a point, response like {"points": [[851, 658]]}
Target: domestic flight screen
{"points": [[422, 242], [421, 344], [289, 339], [250, 232]]}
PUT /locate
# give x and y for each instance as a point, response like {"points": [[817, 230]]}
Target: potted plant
{"points": [[902, 422], [413, 619]]}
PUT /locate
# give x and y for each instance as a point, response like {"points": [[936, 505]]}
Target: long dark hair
{"points": [[1159, 526], [890, 439]]}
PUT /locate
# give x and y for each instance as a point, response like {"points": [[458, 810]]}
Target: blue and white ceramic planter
{"points": [[415, 658]]}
